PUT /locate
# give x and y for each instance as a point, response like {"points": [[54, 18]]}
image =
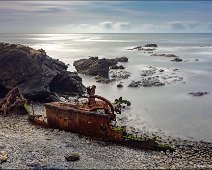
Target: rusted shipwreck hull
{"points": [[93, 119]]}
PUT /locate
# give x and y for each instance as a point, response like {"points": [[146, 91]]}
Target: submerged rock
{"points": [[198, 93], [177, 59], [94, 66], [35, 73], [165, 55]]}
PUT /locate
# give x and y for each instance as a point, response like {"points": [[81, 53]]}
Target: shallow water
{"points": [[168, 108]]}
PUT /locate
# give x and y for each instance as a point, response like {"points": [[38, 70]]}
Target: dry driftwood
{"points": [[13, 101]]}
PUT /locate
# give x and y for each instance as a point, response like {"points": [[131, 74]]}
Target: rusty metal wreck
{"points": [[93, 118]]}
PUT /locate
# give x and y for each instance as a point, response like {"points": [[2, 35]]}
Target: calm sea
{"points": [[168, 109]]}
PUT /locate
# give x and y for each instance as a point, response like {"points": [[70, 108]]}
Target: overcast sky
{"points": [[105, 16]]}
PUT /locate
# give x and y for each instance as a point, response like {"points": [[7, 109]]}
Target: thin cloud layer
{"points": [[104, 16]]}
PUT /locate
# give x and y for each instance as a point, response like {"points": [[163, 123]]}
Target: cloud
{"points": [[107, 24], [103, 17], [51, 9], [123, 25], [209, 25], [182, 25], [177, 25]]}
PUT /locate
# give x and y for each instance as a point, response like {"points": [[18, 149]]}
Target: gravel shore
{"points": [[29, 146]]}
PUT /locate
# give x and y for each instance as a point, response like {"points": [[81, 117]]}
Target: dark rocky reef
{"points": [[147, 47], [176, 58], [165, 55], [36, 74], [153, 76], [94, 66], [198, 93], [151, 81], [150, 45]]}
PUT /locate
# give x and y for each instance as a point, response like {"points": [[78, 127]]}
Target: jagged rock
{"points": [[150, 45], [165, 55], [198, 93], [34, 73], [122, 59], [100, 79], [151, 81], [117, 67], [120, 75], [135, 84], [94, 66], [177, 59], [137, 48]]}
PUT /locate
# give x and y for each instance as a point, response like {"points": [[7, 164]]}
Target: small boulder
{"points": [[177, 59], [119, 85], [72, 157], [3, 157]]}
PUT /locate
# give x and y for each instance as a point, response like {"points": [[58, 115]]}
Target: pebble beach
{"points": [[31, 147]]}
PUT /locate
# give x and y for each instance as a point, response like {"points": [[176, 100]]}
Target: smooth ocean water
{"points": [[169, 108]]}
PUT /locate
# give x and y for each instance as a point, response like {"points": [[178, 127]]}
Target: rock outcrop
{"points": [[94, 66], [150, 45], [122, 59], [117, 67], [36, 74], [177, 59]]}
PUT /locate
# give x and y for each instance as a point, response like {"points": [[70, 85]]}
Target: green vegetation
{"points": [[118, 104], [121, 101], [120, 129], [26, 107], [163, 147], [166, 147], [131, 137]]}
